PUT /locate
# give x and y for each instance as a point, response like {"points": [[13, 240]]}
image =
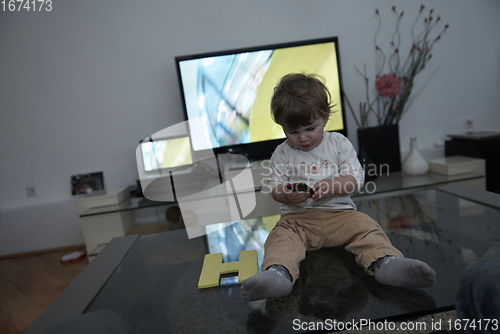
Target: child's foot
{"points": [[272, 283], [402, 272]]}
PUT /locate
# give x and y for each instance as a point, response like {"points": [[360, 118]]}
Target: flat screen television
{"points": [[165, 153], [226, 95]]}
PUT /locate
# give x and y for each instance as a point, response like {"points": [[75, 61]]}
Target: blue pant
{"points": [[478, 296]]}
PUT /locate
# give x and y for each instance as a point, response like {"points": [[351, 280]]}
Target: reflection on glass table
{"points": [[130, 204], [385, 184], [154, 287], [400, 182]]}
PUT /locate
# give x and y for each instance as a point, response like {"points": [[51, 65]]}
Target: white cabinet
{"points": [[99, 228]]}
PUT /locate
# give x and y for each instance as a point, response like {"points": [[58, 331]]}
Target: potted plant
{"points": [[393, 90]]}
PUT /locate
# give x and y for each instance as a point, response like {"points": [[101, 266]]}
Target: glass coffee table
{"points": [[151, 280]]}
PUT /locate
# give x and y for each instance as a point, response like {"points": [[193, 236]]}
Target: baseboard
{"points": [[42, 251]]}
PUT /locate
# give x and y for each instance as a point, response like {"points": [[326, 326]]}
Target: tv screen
{"points": [[226, 95], [166, 153]]}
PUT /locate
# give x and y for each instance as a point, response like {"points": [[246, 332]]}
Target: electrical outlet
{"points": [[31, 191], [469, 124]]}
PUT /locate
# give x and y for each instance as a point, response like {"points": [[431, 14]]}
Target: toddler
{"points": [[324, 215]]}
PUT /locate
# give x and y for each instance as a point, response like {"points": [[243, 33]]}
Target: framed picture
{"points": [[87, 183]]}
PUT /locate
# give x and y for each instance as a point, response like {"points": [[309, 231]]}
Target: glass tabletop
{"points": [[398, 181], [155, 285], [384, 184], [130, 204]]}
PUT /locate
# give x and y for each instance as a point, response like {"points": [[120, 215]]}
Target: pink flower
{"points": [[388, 85], [314, 168]]}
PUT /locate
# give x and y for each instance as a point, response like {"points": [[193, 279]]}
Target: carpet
{"points": [[438, 323]]}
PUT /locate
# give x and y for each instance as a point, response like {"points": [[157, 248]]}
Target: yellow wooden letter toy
{"points": [[213, 268]]}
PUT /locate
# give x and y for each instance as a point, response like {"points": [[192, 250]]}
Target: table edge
{"points": [[483, 197], [76, 298]]}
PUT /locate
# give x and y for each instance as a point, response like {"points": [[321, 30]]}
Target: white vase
{"points": [[415, 163]]}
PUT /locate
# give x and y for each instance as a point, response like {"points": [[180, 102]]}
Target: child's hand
{"points": [[297, 197], [323, 189], [282, 194], [338, 186]]}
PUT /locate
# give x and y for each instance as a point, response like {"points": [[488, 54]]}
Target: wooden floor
{"points": [[28, 285]]}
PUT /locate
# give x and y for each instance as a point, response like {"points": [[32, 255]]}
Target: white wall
{"points": [[42, 226], [82, 84]]}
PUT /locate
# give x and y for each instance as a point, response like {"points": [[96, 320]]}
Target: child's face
{"points": [[306, 138]]}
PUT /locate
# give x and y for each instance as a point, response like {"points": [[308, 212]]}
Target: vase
{"points": [[379, 151], [415, 163]]}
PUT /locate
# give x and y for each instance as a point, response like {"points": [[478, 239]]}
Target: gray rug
{"points": [[438, 323]]}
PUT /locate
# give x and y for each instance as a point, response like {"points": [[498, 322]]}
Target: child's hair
{"points": [[299, 99]]}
